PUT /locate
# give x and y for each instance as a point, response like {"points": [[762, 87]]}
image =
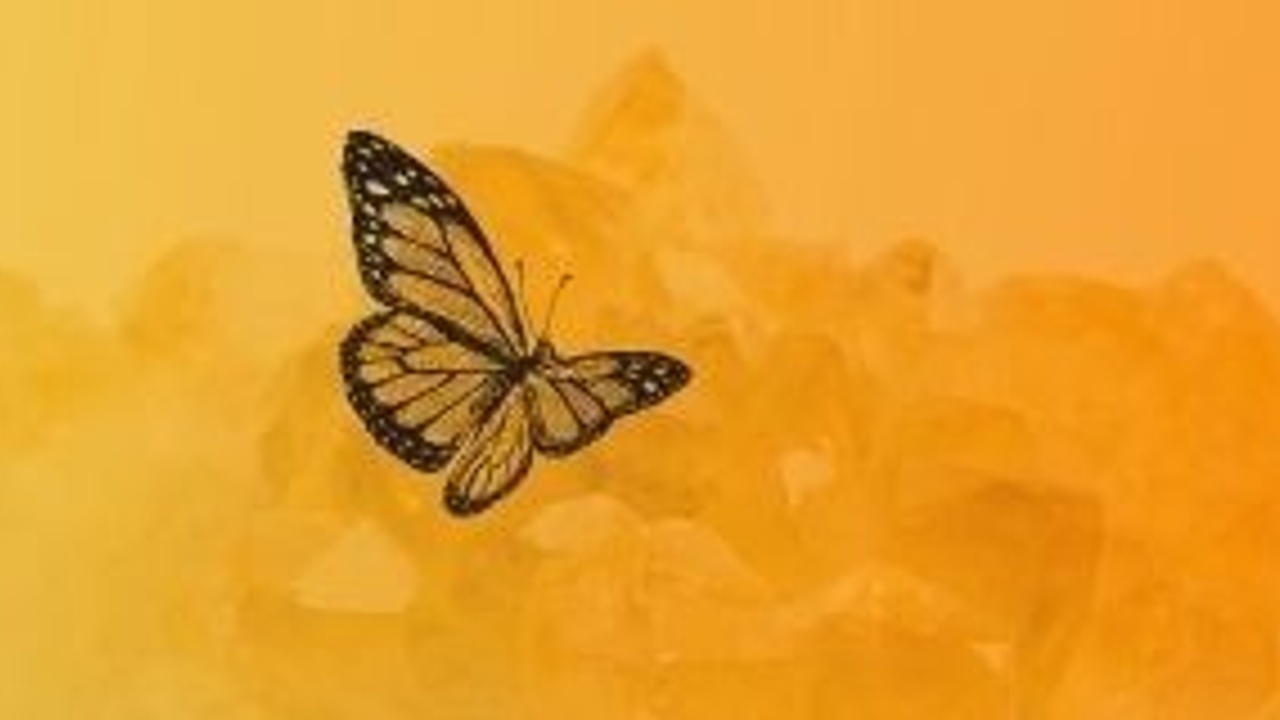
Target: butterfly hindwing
{"points": [[492, 460], [573, 402], [420, 249], [419, 392]]}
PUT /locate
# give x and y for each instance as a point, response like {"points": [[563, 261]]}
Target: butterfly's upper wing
{"points": [[420, 249], [574, 401], [420, 393]]}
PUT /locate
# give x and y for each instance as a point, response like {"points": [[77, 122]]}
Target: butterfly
{"points": [[448, 375]]}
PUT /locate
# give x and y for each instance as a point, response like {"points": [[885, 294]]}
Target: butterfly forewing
{"points": [[573, 402], [419, 248]]}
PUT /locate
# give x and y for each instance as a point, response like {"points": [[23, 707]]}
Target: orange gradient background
{"points": [[978, 297], [1112, 137]]}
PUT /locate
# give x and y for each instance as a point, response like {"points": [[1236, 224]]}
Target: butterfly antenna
{"points": [[523, 305], [551, 306]]}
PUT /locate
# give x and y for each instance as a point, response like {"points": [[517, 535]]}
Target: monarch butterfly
{"points": [[449, 373]]}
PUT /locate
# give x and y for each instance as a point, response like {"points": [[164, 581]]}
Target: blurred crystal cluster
{"points": [[885, 495]]}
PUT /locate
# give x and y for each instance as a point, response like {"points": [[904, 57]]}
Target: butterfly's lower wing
{"points": [[574, 401], [421, 250], [419, 392], [492, 460]]}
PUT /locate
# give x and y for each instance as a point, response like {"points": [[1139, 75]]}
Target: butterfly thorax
{"points": [[543, 357]]}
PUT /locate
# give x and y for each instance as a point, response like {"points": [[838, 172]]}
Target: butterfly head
{"points": [[544, 353]]}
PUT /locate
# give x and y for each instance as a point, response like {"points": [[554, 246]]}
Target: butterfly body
{"points": [[449, 376], [542, 359]]}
